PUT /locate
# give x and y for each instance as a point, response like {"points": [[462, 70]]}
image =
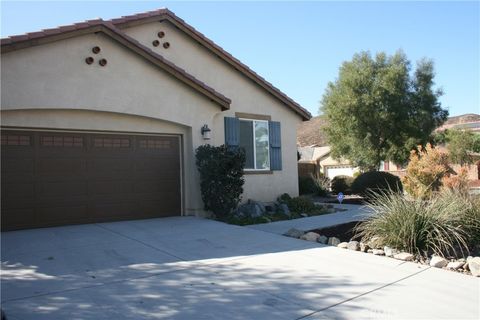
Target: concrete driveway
{"points": [[189, 268]]}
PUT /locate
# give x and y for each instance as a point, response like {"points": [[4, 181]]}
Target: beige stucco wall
{"points": [[246, 97], [51, 86], [128, 95]]}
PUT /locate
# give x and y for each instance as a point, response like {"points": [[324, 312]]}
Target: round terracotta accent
{"points": [[155, 43], [96, 49], [89, 60], [102, 62], [166, 45], [161, 34]]}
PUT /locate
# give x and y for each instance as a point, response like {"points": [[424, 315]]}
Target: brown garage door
{"points": [[58, 178]]}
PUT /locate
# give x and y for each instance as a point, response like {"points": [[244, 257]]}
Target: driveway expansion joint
{"points": [[141, 242], [364, 294]]}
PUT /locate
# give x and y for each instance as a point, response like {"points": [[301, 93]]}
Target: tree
{"points": [[460, 145], [377, 110]]}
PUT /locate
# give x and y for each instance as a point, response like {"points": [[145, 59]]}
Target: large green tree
{"points": [[461, 144], [378, 109]]}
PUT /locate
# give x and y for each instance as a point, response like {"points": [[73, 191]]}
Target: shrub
{"points": [[374, 182], [221, 178], [446, 224], [322, 183], [425, 171], [313, 185], [300, 204], [342, 184], [457, 182], [306, 185]]}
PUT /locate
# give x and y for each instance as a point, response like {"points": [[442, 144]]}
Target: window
{"points": [[155, 144], [61, 141], [15, 140], [254, 138], [111, 142]]}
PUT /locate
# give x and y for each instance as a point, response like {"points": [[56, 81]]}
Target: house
{"points": [[315, 156], [315, 160], [101, 120]]}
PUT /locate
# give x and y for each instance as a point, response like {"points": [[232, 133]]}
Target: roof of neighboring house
{"points": [[312, 153], [30, 39], [310, 133], [99, 25]]}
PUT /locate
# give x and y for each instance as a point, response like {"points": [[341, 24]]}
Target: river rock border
{"points": [[470, 265]]}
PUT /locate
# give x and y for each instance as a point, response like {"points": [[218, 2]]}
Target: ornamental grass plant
{"points": [[447, 224]]}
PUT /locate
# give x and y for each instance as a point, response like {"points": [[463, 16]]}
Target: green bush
{"points": [[449, 223], [301, 204], [342, 184], [221, 178], [313, 185], [374, 182]]}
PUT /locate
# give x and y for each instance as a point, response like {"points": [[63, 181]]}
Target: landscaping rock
{"points": [[353, 245], [404, 256], [270, 208], [250, 209], [333, 241], [294, 233], [310, 236], [465, 266], [378, 252], [343, 245], [304, 215], [438, 262], [322, 239], [454, 265], [474, 266], [390, 252], [364, 247], [283, 208]]}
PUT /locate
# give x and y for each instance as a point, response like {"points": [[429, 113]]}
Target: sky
{"points": [[299, 46]]}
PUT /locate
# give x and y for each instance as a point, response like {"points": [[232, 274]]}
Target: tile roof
{"points": [[114, 25]]}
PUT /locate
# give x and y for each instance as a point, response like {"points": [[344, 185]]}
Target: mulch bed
{"points": [[344, 232]]}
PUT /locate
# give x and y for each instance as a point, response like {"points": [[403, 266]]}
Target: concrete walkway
{"points": [[188, 268], [352, 213]]}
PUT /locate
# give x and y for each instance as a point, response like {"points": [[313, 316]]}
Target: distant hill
{"points": [[310, 132], [459, 122]]}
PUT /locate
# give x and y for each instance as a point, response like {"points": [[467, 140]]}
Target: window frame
{"points": [[255, 145]]}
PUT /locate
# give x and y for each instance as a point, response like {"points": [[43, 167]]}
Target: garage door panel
{"points": [[17, 165], [64, 214], [156, 186], [18, 190], [117, 209], [102, 188], [108, 166], [57, 178], [62, 188], [60, 166], [18, 218]]}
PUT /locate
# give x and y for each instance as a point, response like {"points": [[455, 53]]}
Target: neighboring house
{"points": [[101, 120], [314, 152], [315, 160]]}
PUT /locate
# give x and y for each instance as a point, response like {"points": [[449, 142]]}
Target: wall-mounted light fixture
{"points": [[206, 132]]}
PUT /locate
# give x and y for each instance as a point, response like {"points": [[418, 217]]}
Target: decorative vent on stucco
{"points": [[156, 42], [90, 60]]}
